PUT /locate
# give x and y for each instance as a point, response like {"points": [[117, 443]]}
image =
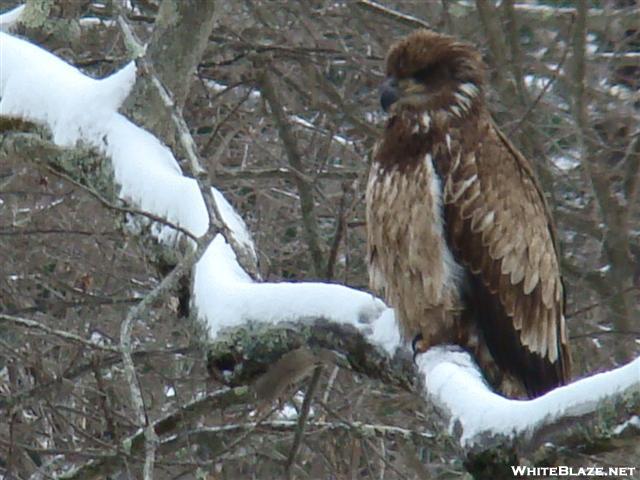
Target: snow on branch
{"points": [[10, 18], [37, 86], [227, 294], [589, 411], [482, 419]]}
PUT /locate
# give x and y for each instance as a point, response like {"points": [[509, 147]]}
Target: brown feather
{"points": [[458, 229]]}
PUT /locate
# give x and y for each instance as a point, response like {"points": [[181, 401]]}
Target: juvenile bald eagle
{"points": [[460, 239]]}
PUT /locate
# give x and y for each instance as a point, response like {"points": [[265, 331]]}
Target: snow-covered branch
{"points": [[481, 419], [250, 325], [601, 410]]}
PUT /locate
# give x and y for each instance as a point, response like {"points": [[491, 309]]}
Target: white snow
{"points": [[289, 411], [384, 332], [10, 18], [535, 82], [169, 391], [307, 124], [454, 383], [592, 45], [228, 295], [567, 162], [632, 423], [38, 86], [218, 87], [95, 21]]}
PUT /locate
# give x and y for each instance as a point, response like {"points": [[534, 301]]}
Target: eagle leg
{"points": [[418, 346]]}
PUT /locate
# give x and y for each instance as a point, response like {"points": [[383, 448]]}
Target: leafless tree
{"points": [[105, 369]]}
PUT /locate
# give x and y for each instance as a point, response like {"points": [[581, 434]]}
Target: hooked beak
{"points": [[389, 93]]}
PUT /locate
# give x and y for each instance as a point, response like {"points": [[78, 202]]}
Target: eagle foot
{"points": [[418, 345]]}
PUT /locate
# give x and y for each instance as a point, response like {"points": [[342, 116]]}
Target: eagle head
{"points": [[428, 72]]}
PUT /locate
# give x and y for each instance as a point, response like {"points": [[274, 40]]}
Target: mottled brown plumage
{"points": [[460, 239]]}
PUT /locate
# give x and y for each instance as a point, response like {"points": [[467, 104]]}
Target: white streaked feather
{"points": [[464, 102], [462, 187], [376, 278], [452, 271], [426, 121], [469, 89]]}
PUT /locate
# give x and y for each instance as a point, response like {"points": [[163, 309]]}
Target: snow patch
{"points": [[10, 18], [454, 382], [227, 297], [566, 162], [36, 85]]}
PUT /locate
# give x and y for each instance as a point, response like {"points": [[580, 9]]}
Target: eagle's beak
{"points": [[389, 93]]}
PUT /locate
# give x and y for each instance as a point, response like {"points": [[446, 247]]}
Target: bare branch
{"points": [[302, 419], [70, 337], [228, 175], [391, 14]]}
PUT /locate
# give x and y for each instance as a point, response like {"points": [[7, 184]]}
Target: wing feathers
{"points": [[499, 228], [517, 274], [531, 280]]}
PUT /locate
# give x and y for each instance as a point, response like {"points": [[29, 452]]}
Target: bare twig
{"points": [[130, 210], [337, 237], [362, 429], [353, 427], [391, 14], [55, 231], [513, 32], [634, 333], [228, 175], [616, 239], [138, 312], [33, 325], [105, 464], [632, 176], [302, 419], [602, 302], [544, 90], [199, 173]]}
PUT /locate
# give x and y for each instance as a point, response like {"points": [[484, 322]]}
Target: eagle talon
{"points": [[418, 346]]}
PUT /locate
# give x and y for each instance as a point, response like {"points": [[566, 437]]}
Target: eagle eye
{"points": [[434, 75], [422, 74]]}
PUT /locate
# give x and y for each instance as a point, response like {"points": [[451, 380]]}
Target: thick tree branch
{"points": [[181, 31], [305, 191], [586, 413], [582, 413]]}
